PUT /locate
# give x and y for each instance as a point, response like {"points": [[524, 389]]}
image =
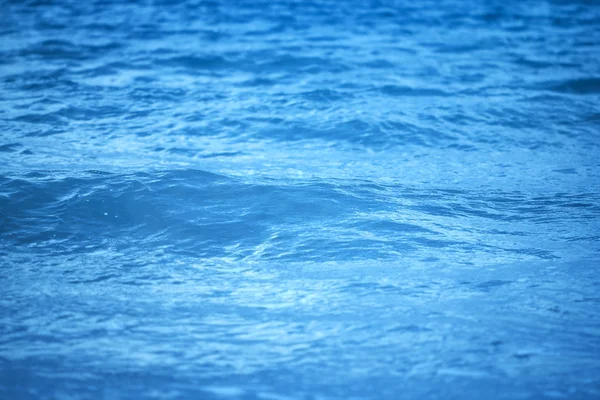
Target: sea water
{"points": [[299, 199]]}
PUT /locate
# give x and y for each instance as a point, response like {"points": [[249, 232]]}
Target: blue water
{"points": [[299, 200]]}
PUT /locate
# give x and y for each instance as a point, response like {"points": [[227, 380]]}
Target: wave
{"points": [[204, 215], [580, 86]]}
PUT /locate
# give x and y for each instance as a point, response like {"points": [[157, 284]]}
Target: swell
{"points": [[204, 215]]}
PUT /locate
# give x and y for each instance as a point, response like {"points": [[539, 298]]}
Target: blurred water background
{"points": [[299, 199]]}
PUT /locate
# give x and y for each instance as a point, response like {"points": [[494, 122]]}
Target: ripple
{"points": [[582, 86]]}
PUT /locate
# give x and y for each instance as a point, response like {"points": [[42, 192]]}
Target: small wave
{"points": [[326, 95], [206, 214], [581, 86], [10, 147], [195, 62], [407, 91], [291, 63], [51, 50]]}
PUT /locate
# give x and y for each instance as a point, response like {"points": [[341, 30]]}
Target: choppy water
{"points": [[299, 200]]}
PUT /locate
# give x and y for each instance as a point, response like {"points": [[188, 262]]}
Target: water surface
{"points": [[299, 200]]}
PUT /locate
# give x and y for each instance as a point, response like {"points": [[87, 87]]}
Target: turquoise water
{"points": [[299, 200]]}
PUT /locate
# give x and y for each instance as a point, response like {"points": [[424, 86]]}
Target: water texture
{"points": [[299, 200]]}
